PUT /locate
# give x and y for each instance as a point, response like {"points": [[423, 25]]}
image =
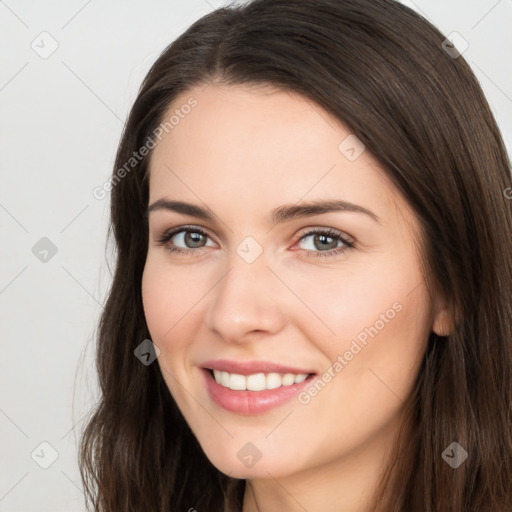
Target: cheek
{"points": [[382, 344], [373, 376], [378, 316], [343, 302], [169, 298]]}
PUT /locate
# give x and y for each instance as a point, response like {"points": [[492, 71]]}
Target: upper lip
{"points": [[251, 367]]}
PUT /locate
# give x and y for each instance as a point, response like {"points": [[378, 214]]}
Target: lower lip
{"points": [[251, 402]]}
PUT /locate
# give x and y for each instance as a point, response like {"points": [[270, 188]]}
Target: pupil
{"points": [[323, 238], [192, 238]]}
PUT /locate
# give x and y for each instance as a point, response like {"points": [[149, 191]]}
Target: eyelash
{"points": [[167, 236]]}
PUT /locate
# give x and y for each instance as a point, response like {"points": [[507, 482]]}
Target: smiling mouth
{"points": [[257, 381]]}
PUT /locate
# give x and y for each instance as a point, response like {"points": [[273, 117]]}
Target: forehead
{"points": [[264, 147]]}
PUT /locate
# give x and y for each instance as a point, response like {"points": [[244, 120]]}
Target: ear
{"points": [[442, 323]]}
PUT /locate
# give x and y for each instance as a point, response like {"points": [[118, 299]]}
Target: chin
{"points": [[245, 460]]}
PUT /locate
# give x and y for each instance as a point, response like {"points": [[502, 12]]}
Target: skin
{"points": [[242, 152]]}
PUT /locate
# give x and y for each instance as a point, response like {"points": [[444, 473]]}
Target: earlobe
{"points": [[443, 323]]}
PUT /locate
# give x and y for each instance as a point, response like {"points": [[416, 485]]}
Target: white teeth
{"points": [[288, 379], [224, 379], [237, 382], [257, 381], [273, 381]]}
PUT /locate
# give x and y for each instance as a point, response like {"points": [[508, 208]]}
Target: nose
{"points": [[248, 300]]}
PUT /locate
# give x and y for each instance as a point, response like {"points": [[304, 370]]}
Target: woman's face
{"points": [[266, 286]]}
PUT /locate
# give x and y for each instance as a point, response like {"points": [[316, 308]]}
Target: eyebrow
{"points": [[281, 214]]}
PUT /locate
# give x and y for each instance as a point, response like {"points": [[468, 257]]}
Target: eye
{"points": [[324, 242], [327, 239], [192, 237]]}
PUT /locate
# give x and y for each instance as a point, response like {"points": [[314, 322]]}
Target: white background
{"points": [[61, 119]]}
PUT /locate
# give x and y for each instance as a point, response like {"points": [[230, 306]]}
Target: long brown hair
{"points": [[382, 70]]}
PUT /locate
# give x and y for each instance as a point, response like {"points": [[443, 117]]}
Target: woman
{"points": [[312, 297]]}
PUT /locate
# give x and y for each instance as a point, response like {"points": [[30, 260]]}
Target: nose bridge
{"points": [[245, 299]]}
